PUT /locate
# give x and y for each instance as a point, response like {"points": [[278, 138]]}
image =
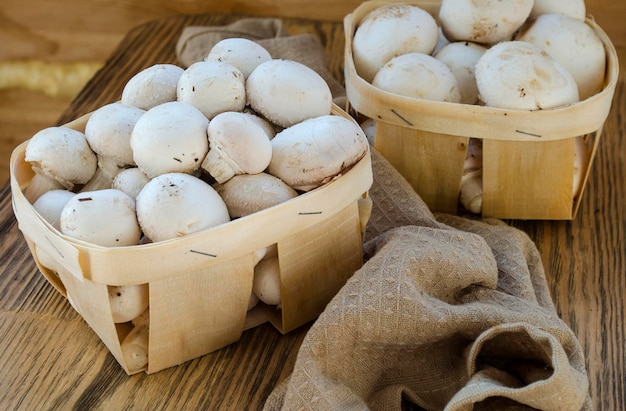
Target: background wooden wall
{"points": [[49, 48]]}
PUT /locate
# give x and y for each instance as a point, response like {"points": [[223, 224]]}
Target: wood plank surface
{"points": [[52, 360]]}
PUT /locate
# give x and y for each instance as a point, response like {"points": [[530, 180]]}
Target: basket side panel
{"points": [[525, 180], [432, 163], [316, 263], [91, 301], [195, 313]]}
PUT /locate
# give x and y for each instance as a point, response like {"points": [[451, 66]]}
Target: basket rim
{"points": [[447, 118]]}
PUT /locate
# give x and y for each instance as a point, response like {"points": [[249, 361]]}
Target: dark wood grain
{"points": [[52, 360]]}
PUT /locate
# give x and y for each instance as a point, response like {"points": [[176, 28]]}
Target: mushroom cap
{"points": [[176, 204], [240, 52], [213, 87], [287, 92], [171, 137], [519, 75], [418, 75], [249, 193], [128, 301], [50, 205], [312, 152], [62, 154], [482, 21], [237, 145], [574, 44], [103, 217], [108, 131], [390, 31], [152, 86], [130, 181], [461, 59], [266, 282], [572, 8]]}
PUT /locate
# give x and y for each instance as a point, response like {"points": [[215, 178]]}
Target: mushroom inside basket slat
{"points": [[211, 217], [489, 108]]}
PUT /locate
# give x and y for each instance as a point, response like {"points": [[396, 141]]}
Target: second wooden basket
{"points": [[200, 284], [528, 156]]}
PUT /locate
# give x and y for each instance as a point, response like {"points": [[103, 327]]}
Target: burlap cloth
{"points": [[446, 313]]}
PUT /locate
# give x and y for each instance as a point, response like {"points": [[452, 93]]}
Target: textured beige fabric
{"points": [[447, 313]]}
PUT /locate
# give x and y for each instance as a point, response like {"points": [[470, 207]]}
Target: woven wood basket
{"points": [[200, 284], [528, 156]]}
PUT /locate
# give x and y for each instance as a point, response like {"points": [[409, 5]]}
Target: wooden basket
{"points": [[528, 156], [200, 284]]}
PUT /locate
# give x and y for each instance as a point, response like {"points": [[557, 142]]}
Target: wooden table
{"points": [[51, 359]]}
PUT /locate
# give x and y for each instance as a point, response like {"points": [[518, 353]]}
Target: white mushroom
{"points": [[287, 92], [135, 348], [461, 59], [130, 181], [248, 193], [389, 31], [311, 153], [108, 132], [171, 137], [152, 86], [213, 87], [418, 75], [572, 8], [237, 145], [50, 205], [242, 53], [176, 204], [104, 217], [482, 21], [519, 75], [61, 158], [266, 284], [128, 301], [574, 44]]}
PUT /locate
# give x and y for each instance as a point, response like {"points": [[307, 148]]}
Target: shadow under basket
{"points": [[200, 284], [528, 156]]}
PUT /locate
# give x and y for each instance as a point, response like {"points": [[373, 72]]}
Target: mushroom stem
{"points": [[135, 348], [39, 185], [472, 191]]}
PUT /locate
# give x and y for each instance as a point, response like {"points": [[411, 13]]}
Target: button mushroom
{"points": [[461, 59], [309, 154], [242, 53], [519, 75], [128, 301], [572, 43], [50, 205], [61, 158], [572, 8], [171, 137], [213, 87], [389, 31], [152, 86], [418, 75], [176, 204], [266, 283], [249, 193], [103, 217], [237, 145], [108, 132], [130, 181], [287, 92], [483, 21]]}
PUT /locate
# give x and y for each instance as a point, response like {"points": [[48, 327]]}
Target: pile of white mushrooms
{"points": [[517, 54], [189, 149]]}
